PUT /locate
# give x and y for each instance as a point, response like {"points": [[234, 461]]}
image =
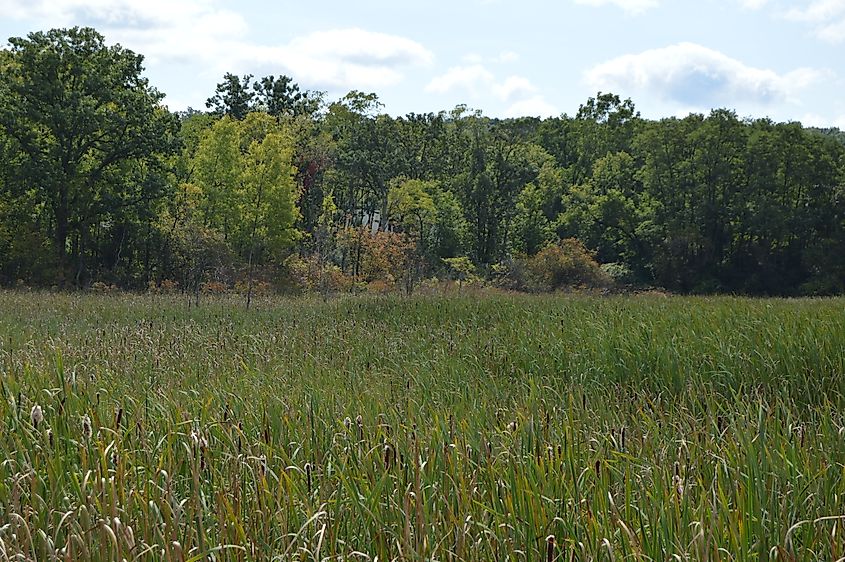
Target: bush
{"points": [[619, 273], [565, 264], [309, 275]]}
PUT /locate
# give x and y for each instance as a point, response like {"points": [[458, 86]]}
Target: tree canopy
{"points": [[100, 182]]}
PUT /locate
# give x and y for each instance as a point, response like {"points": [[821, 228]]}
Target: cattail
{"points": [[87, 432], [36, 416], [550, 548], [388, 454], [360, 422], [198, 440], [347, 422], [512, 426], [50, 437], [677, 481], [118, 416], [308, 476]]}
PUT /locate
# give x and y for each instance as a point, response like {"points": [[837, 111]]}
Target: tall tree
{"points": [[282, 96], [233, 96], [85, 124]]}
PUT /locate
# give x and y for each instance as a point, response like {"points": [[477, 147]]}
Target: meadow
{"points": [[452, 427]]}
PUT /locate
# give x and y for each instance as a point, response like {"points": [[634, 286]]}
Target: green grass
{"points": [[644, 428]]}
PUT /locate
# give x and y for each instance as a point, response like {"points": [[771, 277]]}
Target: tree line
{"points": [[274, 186]]}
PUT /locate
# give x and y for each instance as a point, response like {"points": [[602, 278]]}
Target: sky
{"points": [[783, 59]]}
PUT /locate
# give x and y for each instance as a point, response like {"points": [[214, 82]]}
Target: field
{"points": [[463, 427]]}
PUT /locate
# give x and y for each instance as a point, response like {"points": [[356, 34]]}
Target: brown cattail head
{"points": [[550, 548], [308, 476]]}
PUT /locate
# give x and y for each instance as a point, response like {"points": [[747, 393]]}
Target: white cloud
{"points": [[477, 81], [818, 11], [825, 17], [695, 76], [630, 6], [535, 106], [472, 79], [514, 87], [518, 93], [199, 31], [815, 120]]}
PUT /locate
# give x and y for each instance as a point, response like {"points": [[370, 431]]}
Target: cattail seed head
{"points": [[87, 431], [36, 416], [388, 456], [550, 548], [308, 476]]}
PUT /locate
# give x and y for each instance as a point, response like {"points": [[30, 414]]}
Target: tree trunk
{"points": [[61, 235]]}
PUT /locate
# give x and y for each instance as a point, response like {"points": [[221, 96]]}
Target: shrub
{"points": [[565, 264], [308, 274], [619, 273]]}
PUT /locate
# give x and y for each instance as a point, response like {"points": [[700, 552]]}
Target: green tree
{"points": [[282, 96], [88, 131], [233, 96], [268, 198], [218, 170]]}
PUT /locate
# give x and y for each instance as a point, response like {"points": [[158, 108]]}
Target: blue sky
{"points": [[779, 58]]}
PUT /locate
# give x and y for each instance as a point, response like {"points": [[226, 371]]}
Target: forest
{"points": [[276, 188]]}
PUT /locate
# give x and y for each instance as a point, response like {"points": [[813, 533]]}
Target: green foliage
{"points": [[460, 268], [88, 133], [91, 161]]}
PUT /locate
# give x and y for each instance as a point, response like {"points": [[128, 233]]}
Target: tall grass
{"points": [[451, 428]]}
